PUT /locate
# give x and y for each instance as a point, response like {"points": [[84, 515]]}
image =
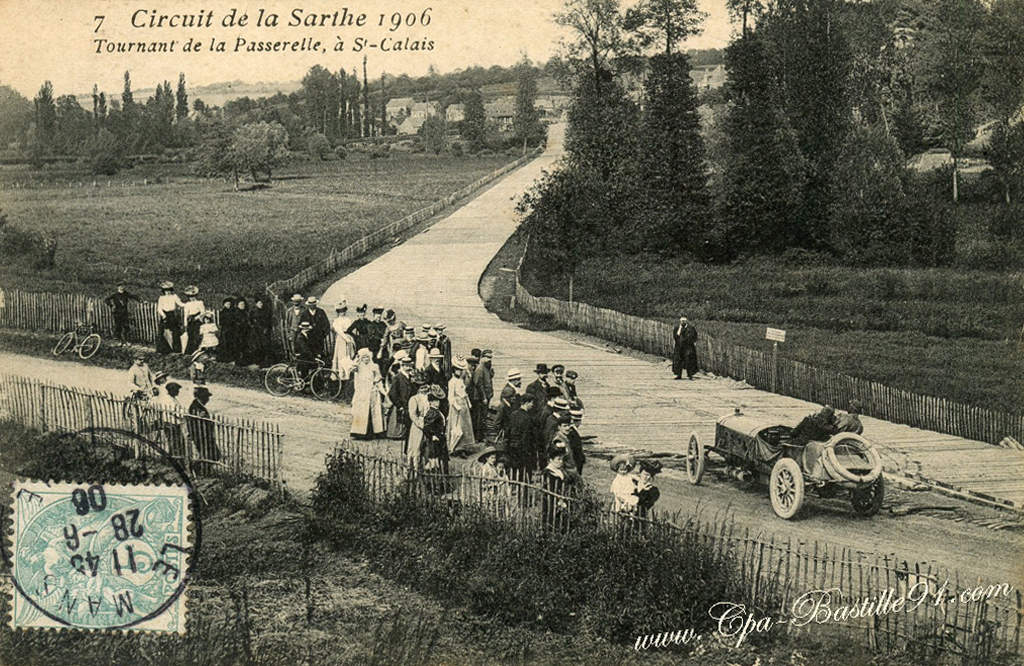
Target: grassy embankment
{"points": [[193, 230]]}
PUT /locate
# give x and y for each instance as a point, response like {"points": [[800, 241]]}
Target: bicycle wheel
{"points": [[63, 344], [280, 379], [90, 346], [326, 384]]}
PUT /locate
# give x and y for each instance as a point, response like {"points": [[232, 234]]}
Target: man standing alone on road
{"points": [[685, 357], [118, 303], [483, 387]]}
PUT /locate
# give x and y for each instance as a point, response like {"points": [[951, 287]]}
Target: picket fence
{"points": [[774, 574], [281, 291], [247, 448], [788, 377]]}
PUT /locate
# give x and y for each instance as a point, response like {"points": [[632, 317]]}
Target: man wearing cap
{"points": [[444, 343], [509, 400], [316, 316], [685, 354], [118, 304], [375, 334], [557, 379], [850, 421], [167, 305], [291, 319], [201, 428], [570, 389], [141, 377], [521, 436], [576, 440], [483, 392]]}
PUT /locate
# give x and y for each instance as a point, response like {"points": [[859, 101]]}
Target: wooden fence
{"points": [[776, 576], [282, 290], [59, 313], [789, 377], [206, 446]]}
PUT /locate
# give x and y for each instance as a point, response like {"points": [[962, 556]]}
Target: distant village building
{"points": [[501, 113], [708, 78], [399, 108], [455, 113], [424, 110], [411, 125], [551, 107]]}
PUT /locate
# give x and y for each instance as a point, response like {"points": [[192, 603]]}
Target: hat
{"points": [[553, 392], [341, 306], [557, 366], [439, 327], [305, 325], [422, 386], [390, 315], [541, 369], [576, 414], [564, 419], [138, 356], [475, 353], [488, 451], [409, 329], [361, 308], [487, 353], [160, 375], [682, 317], [571, 374], [856, 406], [312, 300], [191, 290], [401, 354], [459, 362], [172, 386], [621, 462], [167, 284], [828, 410], [378, 310], [514, 374], [561, 404], [436, 353], [208, 315], [436, 392], [405, 360], [432, 333], [201, 390], [425, 328], [296, 298], [652, 467]]}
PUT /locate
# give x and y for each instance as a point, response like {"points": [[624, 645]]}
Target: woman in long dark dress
{"points": [[243, 333], [261, 321], [227, 352]]}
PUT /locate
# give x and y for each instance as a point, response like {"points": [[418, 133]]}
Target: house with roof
{"points": [[455, 113], [708, 78], [424, 110], [410, 126], [399, 108], [501, 113]]}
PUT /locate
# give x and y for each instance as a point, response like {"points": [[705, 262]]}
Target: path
{"points": [[632, 403], [310, 428]]}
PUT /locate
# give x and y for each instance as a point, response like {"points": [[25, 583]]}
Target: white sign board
{"points": [[776, 334]]}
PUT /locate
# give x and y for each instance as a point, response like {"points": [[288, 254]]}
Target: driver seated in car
{"points": [[812, 432]]}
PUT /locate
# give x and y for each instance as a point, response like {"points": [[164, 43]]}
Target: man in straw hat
{"points": [[436, 376], [118, 304], [508, 402], [316, 316], [444, 343], [399, 393], [291, 318], [169, 320]]}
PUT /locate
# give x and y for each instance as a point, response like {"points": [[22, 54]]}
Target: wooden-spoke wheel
{"points": [[868, 501], [786, 488], [695, 459]]}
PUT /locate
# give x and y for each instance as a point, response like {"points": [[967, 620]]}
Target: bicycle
{"points": [[82, 339], [284, 378]]}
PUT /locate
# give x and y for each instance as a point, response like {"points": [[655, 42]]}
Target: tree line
{"points": [[825, 101]]}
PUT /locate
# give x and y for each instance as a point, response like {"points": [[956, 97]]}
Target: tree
{"points": [[1006, 155], [104, 153], [475, 122], [317, 145], [952, 68], [526, 121], [765, 170], [181, 99], [664, 23], [73, 126], [1002, 84], [367, 116], [672, 156], [434, 131], [16, 114], [45, 119], [258, 148], [322, 91], [214, 155], [598, 28], [602, 132]]}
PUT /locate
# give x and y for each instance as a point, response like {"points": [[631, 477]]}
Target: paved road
{"points": [[632, 402]]}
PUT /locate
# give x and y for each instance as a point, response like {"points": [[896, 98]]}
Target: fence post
{"points": [[42, 407]]}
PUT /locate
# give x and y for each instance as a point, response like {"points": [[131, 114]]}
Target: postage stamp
{"points": [[100, 556]]}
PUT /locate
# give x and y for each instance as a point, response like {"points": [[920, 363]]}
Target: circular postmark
{"points": [[101, 556]]}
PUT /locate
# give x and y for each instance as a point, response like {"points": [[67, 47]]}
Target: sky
{"points": [[55, 40]]}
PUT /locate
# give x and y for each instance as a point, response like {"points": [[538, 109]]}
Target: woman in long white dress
{"points": [[368, 392], [460, 423], [344, 344], [419, 405]]}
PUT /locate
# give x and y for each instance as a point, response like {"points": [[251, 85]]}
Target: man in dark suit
{"points": [[118, 303], [320, 324], [435, 375], [376, 332], [685, 353], [520, 439], [510, 398], [538, 388]]}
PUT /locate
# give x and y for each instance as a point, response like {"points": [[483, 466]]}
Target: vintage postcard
{"points": [[411, 332]]}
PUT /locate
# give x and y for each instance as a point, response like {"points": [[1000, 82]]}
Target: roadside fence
{"points": [[207, 446], [943, 617]]}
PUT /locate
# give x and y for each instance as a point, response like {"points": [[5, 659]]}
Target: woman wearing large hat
{"points": [[192, 311], [367, 397], [169, 319], [460, 422]]}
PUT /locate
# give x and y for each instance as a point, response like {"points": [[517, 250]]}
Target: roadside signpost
{"points": [[776, 335]]}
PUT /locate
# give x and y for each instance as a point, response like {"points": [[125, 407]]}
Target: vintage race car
{"points": [[752, 449]]}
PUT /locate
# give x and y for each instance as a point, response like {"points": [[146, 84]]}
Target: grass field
{"points": [[156, 222], [943, 332]]}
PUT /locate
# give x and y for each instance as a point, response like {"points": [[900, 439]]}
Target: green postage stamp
{"points": [[99, 556]]}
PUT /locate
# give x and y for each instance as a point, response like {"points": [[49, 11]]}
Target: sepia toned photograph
{"points": [[561, 332]]}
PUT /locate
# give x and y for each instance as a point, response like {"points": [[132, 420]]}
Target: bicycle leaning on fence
{"points": [[284, 378], [83, 339]]}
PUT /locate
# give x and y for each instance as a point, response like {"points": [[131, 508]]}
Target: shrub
{"points": [[457, 149], [1007, 222], [340, 152]]}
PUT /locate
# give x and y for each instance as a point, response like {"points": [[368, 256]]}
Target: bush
{"points": [[457, 149], [1007, 223], [340, 152], [380, 152]]}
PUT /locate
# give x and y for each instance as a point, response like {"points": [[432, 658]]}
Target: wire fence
{"points": [[890, 603], [207, 446]]}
